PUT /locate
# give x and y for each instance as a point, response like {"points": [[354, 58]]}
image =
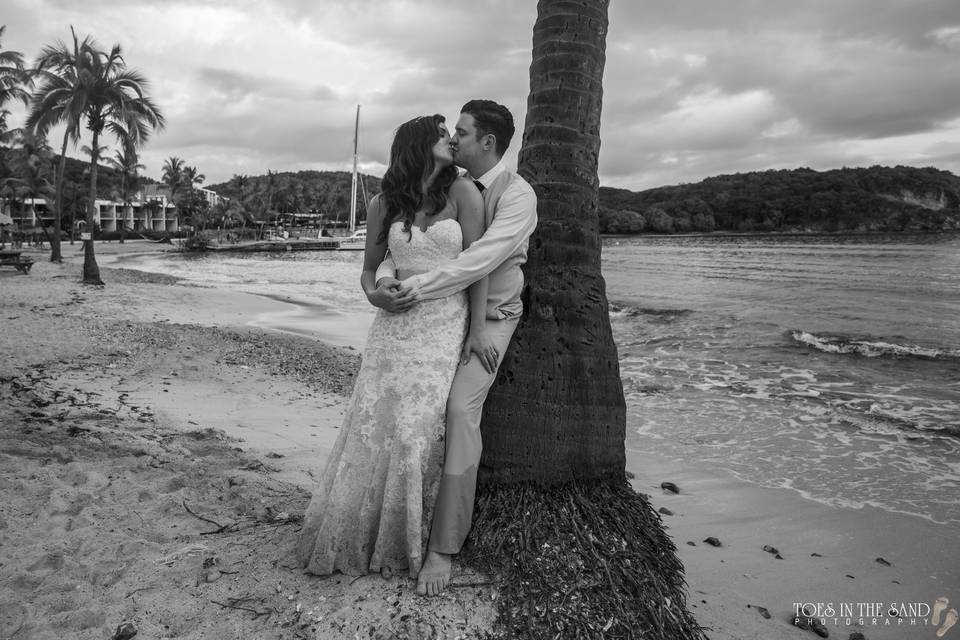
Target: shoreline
{"points": [[287, 314], [828, 554], [783, 234], [194, 368]]}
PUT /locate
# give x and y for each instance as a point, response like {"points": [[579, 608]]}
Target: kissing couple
{"points": [[442, 263]]}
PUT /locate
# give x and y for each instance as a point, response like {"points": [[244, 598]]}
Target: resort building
{"points": [[150, 210]]}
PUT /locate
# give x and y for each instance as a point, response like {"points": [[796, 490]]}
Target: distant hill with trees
{"points": [[77, 174], [326, 192], [888, 199], [884, 199]]}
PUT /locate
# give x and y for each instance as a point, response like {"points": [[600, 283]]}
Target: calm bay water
{"points": [[827, 365]]}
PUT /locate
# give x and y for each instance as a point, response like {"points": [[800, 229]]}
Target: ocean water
{"points": [[827, 365]]}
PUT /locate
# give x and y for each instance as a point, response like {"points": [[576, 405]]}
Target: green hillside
{"points": [[326, 192], [889, 199]]}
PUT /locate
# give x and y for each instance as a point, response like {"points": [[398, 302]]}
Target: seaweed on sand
{"points": [[581, 560]]}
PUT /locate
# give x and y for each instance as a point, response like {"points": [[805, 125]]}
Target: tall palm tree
{"points": [[116, 103], [87, 151], [127, 163], [14, 82], [192, 176], [195, 205], [554, 493], [172, 178], [30, 167], [60, 98], [238, 207], [567, 324]]}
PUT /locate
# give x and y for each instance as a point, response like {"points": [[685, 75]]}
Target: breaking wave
{"points": [[872, 347], [628, 311]]}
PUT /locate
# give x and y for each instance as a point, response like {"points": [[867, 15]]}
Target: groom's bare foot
{"points": [[434, 575]]}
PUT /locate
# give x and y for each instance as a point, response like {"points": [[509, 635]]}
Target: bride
{"points": [[372, 509]]}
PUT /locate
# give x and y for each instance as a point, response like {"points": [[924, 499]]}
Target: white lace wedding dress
{"points": [[374, 503]]}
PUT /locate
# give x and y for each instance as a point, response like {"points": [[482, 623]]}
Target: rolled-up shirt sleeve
{"points": [[387, 268], [514, 221]]}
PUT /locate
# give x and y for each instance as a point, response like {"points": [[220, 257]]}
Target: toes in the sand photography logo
{"points": [[877, 614], [949, 617]]}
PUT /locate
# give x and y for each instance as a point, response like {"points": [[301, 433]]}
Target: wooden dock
{"points": [[318, 244]]}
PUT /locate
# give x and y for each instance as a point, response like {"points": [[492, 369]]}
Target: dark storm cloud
{"points": [[906, 22], [691, 88], [236, 85], [680, 77]]}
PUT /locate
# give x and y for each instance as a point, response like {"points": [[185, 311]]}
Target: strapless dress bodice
{"points": [[418, 251]]}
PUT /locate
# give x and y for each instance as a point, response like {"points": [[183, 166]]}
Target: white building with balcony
{"points": [[150, 210], [155, 214]]}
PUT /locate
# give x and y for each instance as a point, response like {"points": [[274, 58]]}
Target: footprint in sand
{"points": [[12, 618], [938, 608], [948, 621]]}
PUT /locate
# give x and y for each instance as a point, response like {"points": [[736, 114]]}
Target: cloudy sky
{"points": [[693, 88]]}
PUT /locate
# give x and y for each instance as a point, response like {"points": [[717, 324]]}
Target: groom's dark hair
{"points": [[491, 117]]}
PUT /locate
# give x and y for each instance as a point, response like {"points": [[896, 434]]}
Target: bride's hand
{"points": [[392, 295], [481, 344]]}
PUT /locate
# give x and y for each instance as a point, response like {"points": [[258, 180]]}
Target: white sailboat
{"points": [[358, 238]]}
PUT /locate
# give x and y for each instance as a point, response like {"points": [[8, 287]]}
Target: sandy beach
{"points": [[160, 441]]}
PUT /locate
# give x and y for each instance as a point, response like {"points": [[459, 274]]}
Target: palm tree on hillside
{"points": [[116, 103], [60, 98], [554, 492]]}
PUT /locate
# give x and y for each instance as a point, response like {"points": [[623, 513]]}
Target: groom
{"points": [[482, 135]]}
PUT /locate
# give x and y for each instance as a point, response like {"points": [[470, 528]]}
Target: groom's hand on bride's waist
{"points": [[392, 295]]}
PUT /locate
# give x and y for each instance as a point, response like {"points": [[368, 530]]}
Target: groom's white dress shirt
{"points": [[510, 208]]}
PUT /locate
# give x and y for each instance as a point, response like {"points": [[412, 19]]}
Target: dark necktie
{"points": [[479, 185]]}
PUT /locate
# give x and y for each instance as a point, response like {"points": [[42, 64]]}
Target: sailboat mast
{"points": [[353, 182]]}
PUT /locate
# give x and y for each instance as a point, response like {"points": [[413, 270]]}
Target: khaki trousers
{"points": [[458, 485]]}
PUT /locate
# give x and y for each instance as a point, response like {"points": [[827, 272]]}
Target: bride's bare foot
{"points": [[434, 575], [948, 621], [939, 607]]}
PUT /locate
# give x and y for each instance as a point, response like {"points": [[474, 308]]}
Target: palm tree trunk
{"points": [[123, 190], [91, 271], [55, 252], [555, 512], [561, 377]]}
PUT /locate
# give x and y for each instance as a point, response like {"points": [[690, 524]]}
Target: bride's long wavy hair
{"points": [[411, 163]]}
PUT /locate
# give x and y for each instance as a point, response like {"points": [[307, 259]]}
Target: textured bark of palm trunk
{"points": [[91, 271], [56, 254], [578, 553], [556, 412]]}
